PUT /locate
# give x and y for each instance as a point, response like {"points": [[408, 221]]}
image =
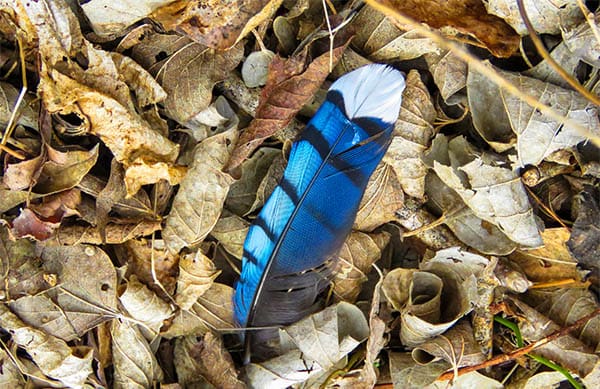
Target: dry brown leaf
{"points": [[135, 364], [28, 114], [11, 375], [290, 85], [199, 202], [382, 198], [145, 306], [75, 304], [551, 261], [356, 257], [380, 39], [205, 361], [196, 275], [22, 175], [151, 262], [70, 366], [405, 373], [583, 242], [216, 24], [110, 18], [64, 169], [243, 193], [449, 73], [318, 341], [412, 133], [212, 310], [113, 233], [465, 16], [547, 16], [231, 231], [493, 192]]}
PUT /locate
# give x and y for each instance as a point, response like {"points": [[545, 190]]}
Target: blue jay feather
{"points": [[290, 248]]}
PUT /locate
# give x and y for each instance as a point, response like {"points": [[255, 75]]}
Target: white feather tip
{"points": [[372, 91]]}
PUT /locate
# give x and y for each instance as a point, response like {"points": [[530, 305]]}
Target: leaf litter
{"points": [[139, 141]]}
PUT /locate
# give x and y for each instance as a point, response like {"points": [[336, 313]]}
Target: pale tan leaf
{"points": [[231, 231], [449, 73], [140, 173], [214, 309], [22, 175], [76, 304], [319, 341], [199, 202], [470, 229], [356, 257], [10, 374], [269, 182], [382, 198], [134, 362], [204, 361], [469, 380], [412, 133], [196, 275], [547, 16], [111, 18], [145, 306], [493, 192], [405, 373], [52, 355], [379, 39], [114, 233], [256, 67]]}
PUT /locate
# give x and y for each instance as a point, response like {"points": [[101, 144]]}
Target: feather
{"points": [[290, 249]]}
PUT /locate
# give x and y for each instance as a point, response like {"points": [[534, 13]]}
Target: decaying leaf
{"points": [[216, 24], [231, 231], [113, 233], [196, 275], [135, 363], [356, 257], [464, 16], [585, 236], [290, 85], [493, 192], [317, 342], [70, 366], [10, 375], [205, 361], [198, 205], [449, 73], [75, 304], [405, 373]]}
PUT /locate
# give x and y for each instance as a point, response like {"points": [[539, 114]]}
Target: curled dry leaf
{"points": [[216, 24], [204, 361], [199, 202], [582, 43], [196, 275], [134, 362], [464, 16], [64, 169], [52, 355], [290, 85], [75, 304], [113, 233], [412, 133], [22, 175], [382, 198], [449, 74], [359, 252], [318, 341], [405, 373], [494, 193], [547, 16], [11, 375], [145, 306]]}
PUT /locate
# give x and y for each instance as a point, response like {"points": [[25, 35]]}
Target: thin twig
{"points": [[539, 45], [523, 350]]}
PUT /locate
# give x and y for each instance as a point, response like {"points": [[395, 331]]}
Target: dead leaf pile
{"points": [[140, 139]]}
